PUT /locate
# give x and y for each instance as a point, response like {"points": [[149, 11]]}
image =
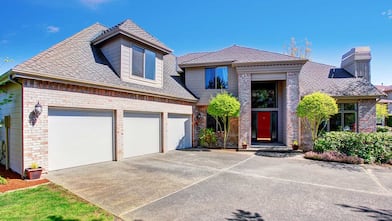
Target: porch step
{"points": [[272, 151]]}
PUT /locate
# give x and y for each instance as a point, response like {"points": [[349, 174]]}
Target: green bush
{"points": [[3, 180], [207, 137], [383, 129], [372, 147]]}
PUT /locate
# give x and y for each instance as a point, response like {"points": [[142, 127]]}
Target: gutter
{"points": [[46, 77]]}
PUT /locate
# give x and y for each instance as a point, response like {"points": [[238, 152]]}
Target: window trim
{"points": [[144, 63], [342, 111]]}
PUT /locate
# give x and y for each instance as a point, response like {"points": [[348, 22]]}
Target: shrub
{"points": [[383, 129], [372, 147], [3, 180], [207, 137], [333, 156]]}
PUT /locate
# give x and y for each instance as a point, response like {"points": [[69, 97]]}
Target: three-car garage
{"points": [[79, 137]]}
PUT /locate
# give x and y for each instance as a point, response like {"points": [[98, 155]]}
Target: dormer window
{"points": [[143, 63]]}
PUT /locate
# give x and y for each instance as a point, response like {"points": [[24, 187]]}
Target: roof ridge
{"points": [[54, 47], [272, 52]]}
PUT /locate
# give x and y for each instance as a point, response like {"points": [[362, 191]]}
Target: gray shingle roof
{"points": [[76, 59], [235, 54], [132, 30], [317, 77], [384, 88]]}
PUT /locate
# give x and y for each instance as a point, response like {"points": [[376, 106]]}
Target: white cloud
{"points": [[93, 4], [3, 41], [52, 29], [387, 13]]}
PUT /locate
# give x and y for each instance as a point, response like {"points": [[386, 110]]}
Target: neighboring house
{"points": [[388, 99], [112, 93], [270, 85], [106, 94]]}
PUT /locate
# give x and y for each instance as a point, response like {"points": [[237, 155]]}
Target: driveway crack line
{"points": [[190, 185]]}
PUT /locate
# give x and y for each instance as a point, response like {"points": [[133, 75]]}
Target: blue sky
{"points": [[333, 27]]}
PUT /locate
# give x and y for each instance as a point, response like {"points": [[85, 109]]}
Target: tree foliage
{"points": [[223, 107], [316, 108], [381, 111]]}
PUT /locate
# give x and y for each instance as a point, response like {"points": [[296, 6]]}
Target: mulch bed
{"points": [[15, 181]]}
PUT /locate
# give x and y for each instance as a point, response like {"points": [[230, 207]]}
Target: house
{"points": [[111, 93], [270, 85], [106, 94]]}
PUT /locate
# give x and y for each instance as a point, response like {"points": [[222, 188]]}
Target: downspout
{"points": [[11, 78]]}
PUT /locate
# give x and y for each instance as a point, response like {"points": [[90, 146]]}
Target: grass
{"points": [[48, 202]]}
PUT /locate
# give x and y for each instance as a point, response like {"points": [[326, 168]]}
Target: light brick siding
{"points": [[200, 122], [367, 116], [244, 86], [68, 96]]}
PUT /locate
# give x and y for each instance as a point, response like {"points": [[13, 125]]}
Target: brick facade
{"points": [[292, 100], [35, 137], [367, 116], [245, 99]]}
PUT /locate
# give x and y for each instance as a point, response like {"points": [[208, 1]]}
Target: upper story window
{"points": [[216, 78], [143, 63]]}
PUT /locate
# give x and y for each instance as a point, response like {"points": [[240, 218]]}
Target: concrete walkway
{"points": [[219, 185]]}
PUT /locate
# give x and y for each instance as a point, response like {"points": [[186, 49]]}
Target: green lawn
{"points": [[48, 202]]}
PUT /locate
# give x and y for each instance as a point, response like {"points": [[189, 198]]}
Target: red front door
{"points": [[264, 126]]}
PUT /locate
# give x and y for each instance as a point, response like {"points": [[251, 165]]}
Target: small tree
{"points": [[316, 108], [381, 112], [222, 107]]}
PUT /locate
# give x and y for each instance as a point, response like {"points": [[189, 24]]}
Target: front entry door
{"points": [[264, 126]]}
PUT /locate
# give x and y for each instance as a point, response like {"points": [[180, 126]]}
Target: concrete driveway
{"points": [[219, 185]]}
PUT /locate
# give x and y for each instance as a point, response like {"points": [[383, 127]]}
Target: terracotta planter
{"points": [[244, 146], [33, 174], [295, 147]]}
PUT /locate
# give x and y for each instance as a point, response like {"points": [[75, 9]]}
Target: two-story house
{"points": [[388, 99], [105, 93], [111, 93], [270, 85]]}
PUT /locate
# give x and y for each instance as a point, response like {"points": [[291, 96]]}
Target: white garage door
{"points": [[179, 131], [79, 137], [142, 133]]}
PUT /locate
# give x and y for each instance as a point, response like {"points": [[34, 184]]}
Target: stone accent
{"points": [[200, 122], [292, 99], [367, 116], [245, 99]]}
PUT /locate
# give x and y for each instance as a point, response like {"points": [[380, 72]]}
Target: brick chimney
{"points": [[357, 62]]}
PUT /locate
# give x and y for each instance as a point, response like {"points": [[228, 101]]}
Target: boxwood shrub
{"points": [[372, 147]]}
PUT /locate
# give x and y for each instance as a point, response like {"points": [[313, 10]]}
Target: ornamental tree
{"points": [[381, 111], [316, 108], [223, 107]]}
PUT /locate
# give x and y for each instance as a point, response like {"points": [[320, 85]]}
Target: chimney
{"points": [[357, 62]]}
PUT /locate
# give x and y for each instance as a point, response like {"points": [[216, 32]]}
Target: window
{"points": [[214, 124], [346, 119], [143, 63], [264, 95], [216, 78]]}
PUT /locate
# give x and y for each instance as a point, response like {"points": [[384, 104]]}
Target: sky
{"points": [[332, 26]]}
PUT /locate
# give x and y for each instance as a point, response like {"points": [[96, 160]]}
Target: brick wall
{"points": [[49, 95], [367, 116], [245, 99]]}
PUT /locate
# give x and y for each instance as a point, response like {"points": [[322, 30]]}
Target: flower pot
{"points": [[244, 146], [33, 174], [295, 147]]}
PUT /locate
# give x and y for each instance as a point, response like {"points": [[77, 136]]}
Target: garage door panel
{"points": [[79, 137], [141, 133], [179, 131]]}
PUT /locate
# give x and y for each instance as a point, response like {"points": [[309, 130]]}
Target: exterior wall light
{"points": [[37, 109]]}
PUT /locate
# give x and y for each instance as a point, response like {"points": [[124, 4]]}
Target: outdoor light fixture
{"points": [[37, 109], [35, 113]]}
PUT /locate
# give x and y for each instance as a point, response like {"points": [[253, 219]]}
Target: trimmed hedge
{"points": [[372, 147]]}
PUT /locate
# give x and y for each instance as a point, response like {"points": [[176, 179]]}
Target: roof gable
{"points": [[234, 54], [133, 31]]}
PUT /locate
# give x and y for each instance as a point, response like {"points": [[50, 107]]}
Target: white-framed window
{"points": [[216, 78], [143, 63]]}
